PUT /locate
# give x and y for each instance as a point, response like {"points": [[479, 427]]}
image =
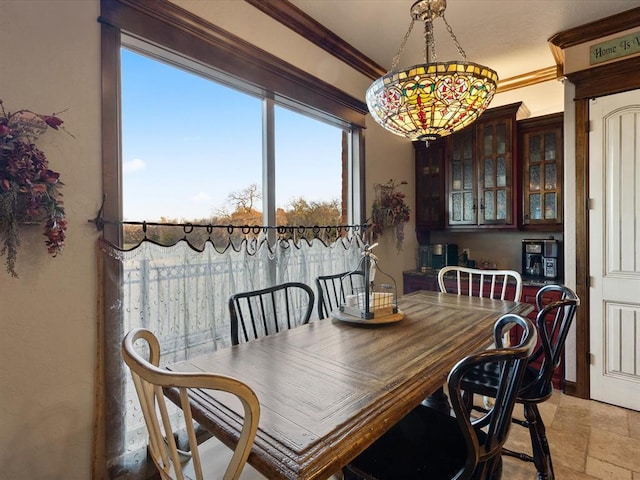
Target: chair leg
{"points": [[539, 443]]}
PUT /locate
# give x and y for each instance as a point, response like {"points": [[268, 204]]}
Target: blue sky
{"points": [[189, 142]]}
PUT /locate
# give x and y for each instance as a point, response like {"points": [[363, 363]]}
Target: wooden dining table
{"points": [[330, 388]]}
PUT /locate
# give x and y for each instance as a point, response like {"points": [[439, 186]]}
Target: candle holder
{"points": [[376, 300]]}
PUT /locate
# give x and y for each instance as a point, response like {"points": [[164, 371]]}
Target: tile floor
{"points": [[589, 440]]}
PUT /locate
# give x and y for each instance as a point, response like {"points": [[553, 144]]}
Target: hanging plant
{"points": [[29, 190], [389, 210]]}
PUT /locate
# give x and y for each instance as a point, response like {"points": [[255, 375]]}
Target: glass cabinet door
{"points": [[430, 207], [541, 147], [494, 172], [461, 186]]}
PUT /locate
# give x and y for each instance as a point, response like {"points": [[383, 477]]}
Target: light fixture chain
{"points": [[455, 40], [396, 59], [429, 41]]}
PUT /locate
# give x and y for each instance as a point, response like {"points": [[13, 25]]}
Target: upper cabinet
{"points": [[500, 172], [430, 208], [541, 147], [481, 174]]}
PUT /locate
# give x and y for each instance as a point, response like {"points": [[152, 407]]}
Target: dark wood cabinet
{"points": [[541, 149], [468, 179], [430, 206]]}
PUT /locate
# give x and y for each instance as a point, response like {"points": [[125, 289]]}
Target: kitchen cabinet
{"points": [[472, 178], [541, 147], [430, 207]]}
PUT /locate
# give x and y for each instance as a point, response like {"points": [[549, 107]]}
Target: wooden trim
{"points": [[592, 31], [570, 388], [607, 79], [291, 16], [582, 387], [597, 29], [307, 27], [528, 79], [179, 30]]}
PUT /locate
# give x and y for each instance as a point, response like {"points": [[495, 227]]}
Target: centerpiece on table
{"points": [[29, 189]]}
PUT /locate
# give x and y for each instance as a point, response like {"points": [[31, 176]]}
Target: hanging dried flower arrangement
{"points": [[29, 190], [389, 210]]}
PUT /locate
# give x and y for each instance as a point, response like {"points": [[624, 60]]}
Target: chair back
{"points": [[260, 313], [484, 447], [553, 322], [333, 289], [150, 380], [504, 284]]}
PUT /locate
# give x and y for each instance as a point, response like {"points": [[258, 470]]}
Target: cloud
{"points": [[134, 165], [201, 197]]}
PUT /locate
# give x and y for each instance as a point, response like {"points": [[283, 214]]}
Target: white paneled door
{"points": [[614, 239]]}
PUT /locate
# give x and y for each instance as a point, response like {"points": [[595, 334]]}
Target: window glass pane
{"points": [[488, 141], [550, 176], [468, 175], [550, 210], [488, 173], [489, 209], [501, 173], [456, 176], [456, 213], [535, 148], [501, 204], [550, 147], [469, 213], [534, 177], [308, 173], [535, 209], [182, 151], [501, 139]]}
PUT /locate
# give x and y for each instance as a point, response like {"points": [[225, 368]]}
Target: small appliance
{"points": [[436, 256], [540, 257]]}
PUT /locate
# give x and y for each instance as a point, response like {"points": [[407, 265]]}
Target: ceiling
{"points": [[509, 36]]}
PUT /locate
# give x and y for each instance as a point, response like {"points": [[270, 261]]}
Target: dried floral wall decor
{"points": [[29, 189], [389, 210]]}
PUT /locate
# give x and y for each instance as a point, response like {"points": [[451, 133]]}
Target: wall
{"points": [[50, 60]]}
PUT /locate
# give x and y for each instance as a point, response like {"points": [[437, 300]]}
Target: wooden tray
{"points": [[345, 317]]}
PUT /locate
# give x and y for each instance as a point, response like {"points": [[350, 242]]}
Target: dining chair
{"points": [[502, 284], [262, 312], [211, 459], [553, 322], [333, 289], [430, 444]]}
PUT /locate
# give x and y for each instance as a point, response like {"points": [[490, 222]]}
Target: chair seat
{"points": [[425, 444], [483, 380]]}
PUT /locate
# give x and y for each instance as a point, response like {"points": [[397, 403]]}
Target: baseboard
{"points": [[570, 388]]}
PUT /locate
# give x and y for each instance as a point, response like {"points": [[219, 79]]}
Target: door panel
{"points": [[614, 244]]}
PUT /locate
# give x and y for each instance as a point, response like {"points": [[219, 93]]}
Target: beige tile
{"points": [[636, 476], [610, 418], [569, 447], [634, 423], [564, 473], [514, 469], [614, 448], [606, 471]]}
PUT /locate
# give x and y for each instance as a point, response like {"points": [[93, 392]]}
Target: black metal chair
{"points": [[262, 312], [429, 444], [553, 322], [332, 290]]}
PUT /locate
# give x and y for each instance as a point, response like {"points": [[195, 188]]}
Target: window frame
{"points": [[174, 29]]}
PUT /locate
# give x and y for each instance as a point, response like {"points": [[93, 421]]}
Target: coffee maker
{"points": [[540, 258]]}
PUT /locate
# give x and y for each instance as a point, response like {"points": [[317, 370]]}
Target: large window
{"points": [[197, 123], [197, 150]]}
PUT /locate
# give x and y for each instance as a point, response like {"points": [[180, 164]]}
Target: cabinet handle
{"points": [[482, 206], [474, 208]]}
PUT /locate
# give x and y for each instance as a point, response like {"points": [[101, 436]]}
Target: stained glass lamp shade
{"points": [[426, 102]]}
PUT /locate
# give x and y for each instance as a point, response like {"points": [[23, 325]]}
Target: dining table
{"points": [[330, 388]]}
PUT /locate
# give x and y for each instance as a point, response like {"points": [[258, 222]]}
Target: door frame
{"points": [[594, 82]]}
